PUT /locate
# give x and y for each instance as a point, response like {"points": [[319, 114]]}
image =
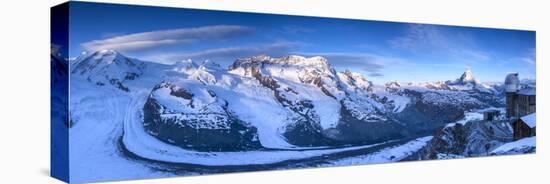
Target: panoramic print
{"points": [[147, 92]]}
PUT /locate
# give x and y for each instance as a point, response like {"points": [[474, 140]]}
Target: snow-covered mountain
{"points": [[522, 146], [290, 101], [473, 136], [465, 83], [184, 113], [468, 82], [269, 109], [286, 102], [108, 67]]}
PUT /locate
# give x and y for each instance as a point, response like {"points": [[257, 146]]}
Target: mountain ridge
{"points": [[284, 102]]}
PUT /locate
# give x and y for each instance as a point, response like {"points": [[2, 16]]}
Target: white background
{"points": [[24, 90]]}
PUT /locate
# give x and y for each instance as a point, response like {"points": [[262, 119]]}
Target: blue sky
{"points": [[382, 51]]}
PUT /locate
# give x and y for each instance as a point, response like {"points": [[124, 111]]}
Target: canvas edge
{"points": [[59, 122]]}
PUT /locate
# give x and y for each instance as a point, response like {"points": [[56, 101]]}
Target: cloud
{"points": [[294, 29], [112, 34], [530, 61], [371, 64], [227, 55], [376, 74], [430, 39], [472, 54], [376, 65], [529, 58], [419, 37], [153, 39]]}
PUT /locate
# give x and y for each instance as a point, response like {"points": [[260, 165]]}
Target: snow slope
{"points": [[102, 114], [522, 146], [299, 79], [468, 116], [274, 96], [94, 136], [391, 154]]}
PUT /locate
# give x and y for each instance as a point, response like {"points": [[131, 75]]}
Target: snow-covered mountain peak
{"points": [[247, 63], [467, 82], [294, 68], [107, 52], [185, 66], [301, 60], [290, 60], [102, 57], [354, 79], [186, 63], [354, 75], [393, 84], [466, 77], [107, 56], [259, 58], [108, 67], [210, 65]]}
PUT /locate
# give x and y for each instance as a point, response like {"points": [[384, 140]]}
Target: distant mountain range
{"points": [[293, 101]]}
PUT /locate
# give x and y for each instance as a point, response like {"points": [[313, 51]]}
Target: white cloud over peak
{"points": [[227, 55], [158, 38], [430, 39]]}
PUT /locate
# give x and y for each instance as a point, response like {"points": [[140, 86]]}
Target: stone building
{"points": [[520, 101]]}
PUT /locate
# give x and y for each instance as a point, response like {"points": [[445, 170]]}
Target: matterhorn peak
{"points": [[466, 78]]}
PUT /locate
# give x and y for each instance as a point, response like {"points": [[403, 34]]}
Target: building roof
{"points": [[530, 120]]}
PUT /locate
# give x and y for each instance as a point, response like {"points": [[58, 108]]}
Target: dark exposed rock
{"points": [[305, 130], [474, 138], [119, 85], [354, 130], [131, 76], [368, 117], [193, 130], [450, 140]]}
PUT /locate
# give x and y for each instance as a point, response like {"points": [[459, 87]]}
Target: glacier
{"points": [[138, 119]]}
